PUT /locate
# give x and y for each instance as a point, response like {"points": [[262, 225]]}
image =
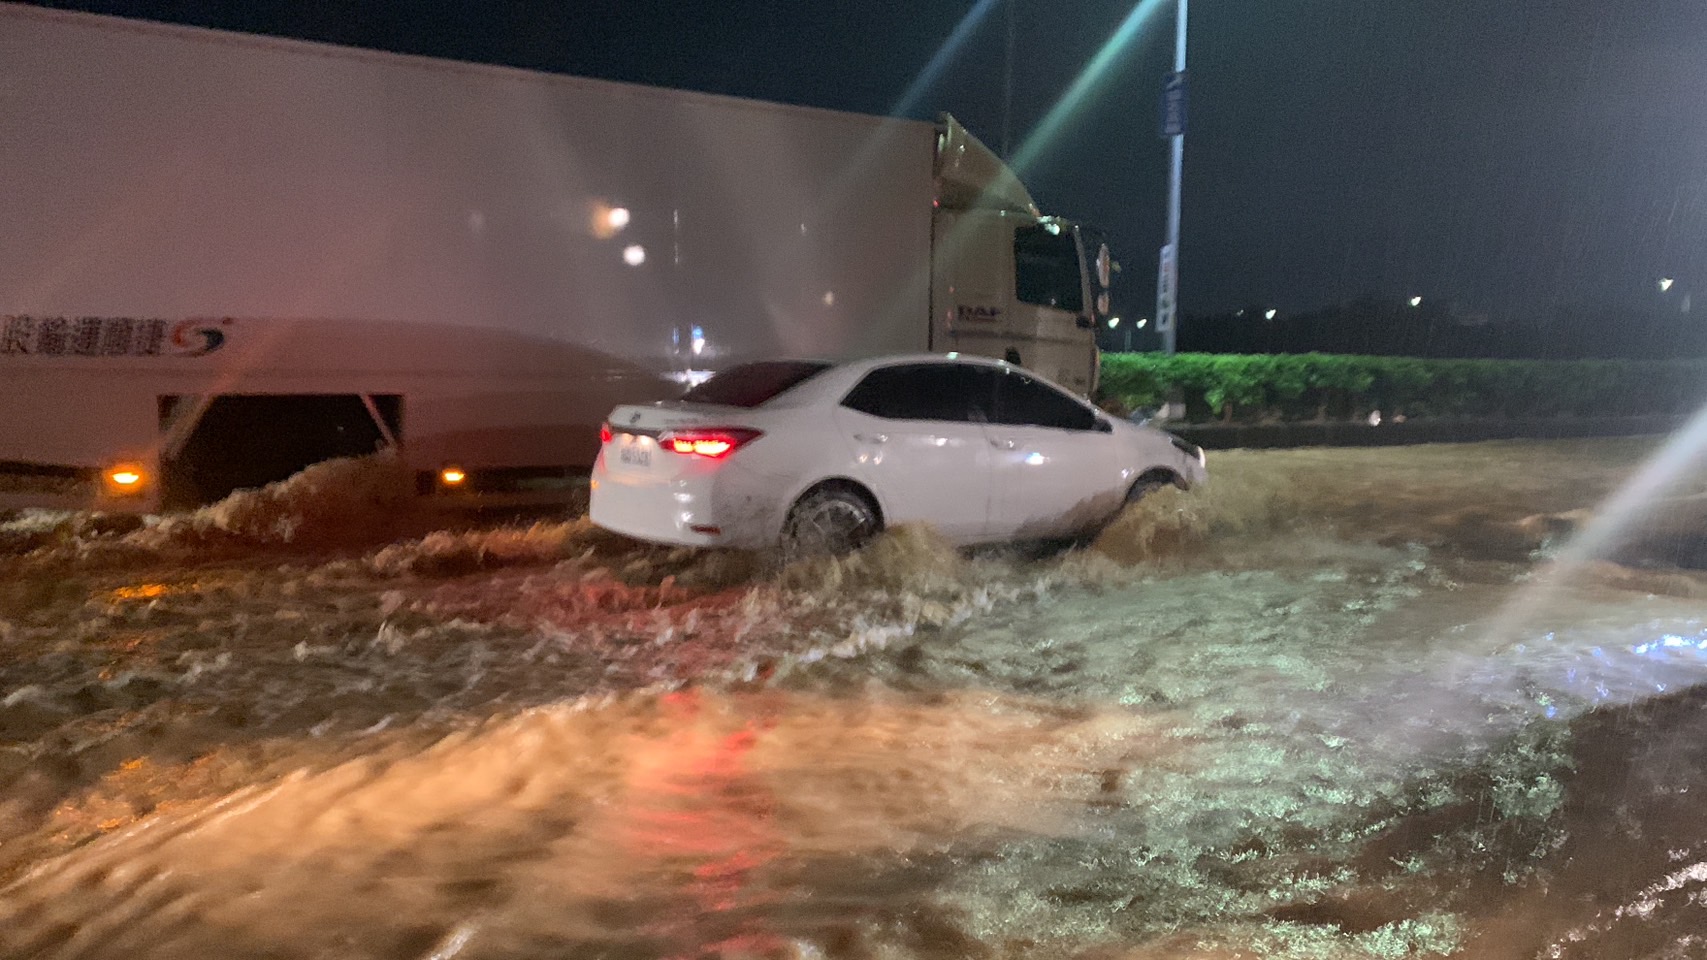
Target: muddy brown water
{"points": [[1290, 715]]}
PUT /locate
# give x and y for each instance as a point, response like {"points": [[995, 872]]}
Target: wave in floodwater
{"points": [[1089, 771], [651, 826], [1256, 718], [1504, 498]]}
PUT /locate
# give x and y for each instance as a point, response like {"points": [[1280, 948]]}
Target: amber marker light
{"points": [[123, 479]]}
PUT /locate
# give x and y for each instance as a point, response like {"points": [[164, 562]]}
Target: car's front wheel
{"points": [[830, 520], [1148, 484]]}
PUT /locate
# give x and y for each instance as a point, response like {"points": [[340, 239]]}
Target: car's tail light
{"points": [[605, 433], [713, 443]]}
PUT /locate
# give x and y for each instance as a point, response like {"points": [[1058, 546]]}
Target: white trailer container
{"points": [[223, 257]]}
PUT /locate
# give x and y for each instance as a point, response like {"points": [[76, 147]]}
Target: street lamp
{"points": [[1173, 121], [1114, 322], [1416, 301]]}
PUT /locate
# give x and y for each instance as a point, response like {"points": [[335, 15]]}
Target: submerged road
{"points": [[1339, 704]]}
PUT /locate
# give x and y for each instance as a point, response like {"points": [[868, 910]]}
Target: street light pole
{"points": [[1008, 84], [1167, 286]]}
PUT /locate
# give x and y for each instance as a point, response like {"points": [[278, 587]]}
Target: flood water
{"points": [[1339, 704]]}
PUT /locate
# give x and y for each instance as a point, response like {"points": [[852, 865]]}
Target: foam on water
{"points": [[334, 503]]}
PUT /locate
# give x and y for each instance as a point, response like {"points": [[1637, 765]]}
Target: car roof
{"points": [[863, 365], [841, 376], [900, 359]]}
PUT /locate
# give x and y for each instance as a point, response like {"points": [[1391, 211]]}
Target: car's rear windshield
{"points": [[751, 384]]}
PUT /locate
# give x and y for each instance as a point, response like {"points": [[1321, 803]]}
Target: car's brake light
{"points": [[605, 433], [715, 443]]}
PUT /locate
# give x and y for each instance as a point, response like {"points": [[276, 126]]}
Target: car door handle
{"points": [[871, 438], [1003, 444]]}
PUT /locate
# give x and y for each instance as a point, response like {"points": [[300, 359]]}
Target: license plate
{"points": [[634, 455]]}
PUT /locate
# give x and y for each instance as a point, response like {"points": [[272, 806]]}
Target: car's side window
{"points": [[926, 391], [1023, 401]]}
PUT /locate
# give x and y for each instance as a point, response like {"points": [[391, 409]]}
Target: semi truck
{"points": [[224, 257]]}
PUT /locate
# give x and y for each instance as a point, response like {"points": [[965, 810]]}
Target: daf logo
{"points": [[634, 419]]}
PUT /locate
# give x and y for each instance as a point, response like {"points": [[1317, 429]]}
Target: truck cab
{"points": [[1006, 281], [1021, 288]]}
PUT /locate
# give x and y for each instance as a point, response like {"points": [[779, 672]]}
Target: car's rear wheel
{"points": [[830, 521]]}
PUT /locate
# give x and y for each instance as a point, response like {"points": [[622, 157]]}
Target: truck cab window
{"points": [[1046, 268], [952, 392]]}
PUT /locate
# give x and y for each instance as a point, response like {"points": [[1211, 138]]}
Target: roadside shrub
{"points": [[1325, 386]]}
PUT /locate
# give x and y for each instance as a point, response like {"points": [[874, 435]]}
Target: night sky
{"points": [[1514, 156]]}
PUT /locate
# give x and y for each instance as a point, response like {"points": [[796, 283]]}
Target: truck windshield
{"points": [[751, 384]]}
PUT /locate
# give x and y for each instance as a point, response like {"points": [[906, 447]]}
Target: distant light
{"points": [[1271, 314], [1113, 322], [1416, 301], [1034, 459], [1665, 283], [634, 255], [698, 340], [607, 220], [1143, 322], [954, 356], [829, 298], [452, 476]]}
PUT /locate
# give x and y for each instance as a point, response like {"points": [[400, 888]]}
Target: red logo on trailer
{"points": [[198, 336]]}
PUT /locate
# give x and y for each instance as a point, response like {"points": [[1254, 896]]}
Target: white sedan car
{"points": [[819, 457]]}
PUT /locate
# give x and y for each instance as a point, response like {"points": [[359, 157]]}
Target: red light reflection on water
{"points": [[708, 821]]}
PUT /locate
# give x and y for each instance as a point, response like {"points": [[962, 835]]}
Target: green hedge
{"points": [[1315, 386]]}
